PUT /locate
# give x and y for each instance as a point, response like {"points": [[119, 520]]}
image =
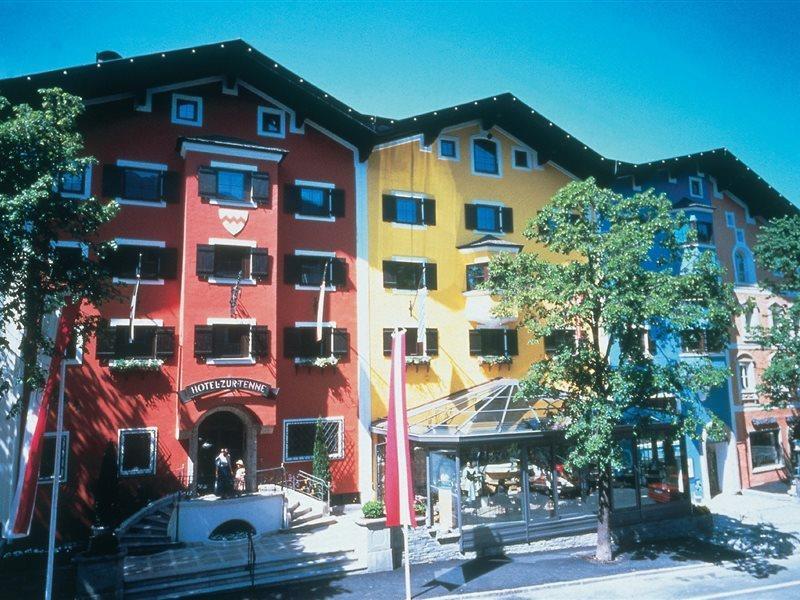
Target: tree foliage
{"points": [[611, 266], [38, 145], [320, 462], [778, 251]]}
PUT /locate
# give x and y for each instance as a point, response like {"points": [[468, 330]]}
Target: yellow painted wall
{"points": [[407, 167]]}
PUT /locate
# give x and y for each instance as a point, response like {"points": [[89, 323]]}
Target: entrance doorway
{"points": [[221, 430], [713, 474]]}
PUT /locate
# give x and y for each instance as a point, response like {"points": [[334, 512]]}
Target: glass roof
{"points": [[488, 410]]}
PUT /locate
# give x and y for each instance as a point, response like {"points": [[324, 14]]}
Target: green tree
{"points": [[613, 266], [320, 462], [38, 146], [778, 251]]}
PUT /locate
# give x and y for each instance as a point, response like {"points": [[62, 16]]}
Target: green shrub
{"points": [[373, 509]]}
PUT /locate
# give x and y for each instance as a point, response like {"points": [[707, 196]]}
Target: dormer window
{"points": [[448, 148], [271, 122], [485, 157], [521, 159], [187, 110]]}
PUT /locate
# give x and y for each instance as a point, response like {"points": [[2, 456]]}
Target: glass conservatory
{"points": [[491, 465]]}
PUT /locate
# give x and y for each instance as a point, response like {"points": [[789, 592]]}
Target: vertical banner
{"points": [[399, 491], [321, 301], [33, 438]]}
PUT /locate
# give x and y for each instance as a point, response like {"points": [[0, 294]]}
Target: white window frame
{"points": [[234, 360], [262, 110], [227, 166], [87, 186], [699, 182], [151, 470], [746, 377], [175, 119], [528, 153], [64, 475], [772, 466], [730, 219], [133, 164], [340, 438], [409, 259], [326, 185], [499, 146], [137, 242], [456, 144], [749, 266], [239, 244], [315, 254], [413, 196]]}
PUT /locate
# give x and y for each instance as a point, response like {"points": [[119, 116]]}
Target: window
{"points": [[765, 449], [747, 376], [140, 184], [414, 346], [75, 185], [137, 451], [477, 275], [752, 320], [448, 148], [68, 256], [156, 262], [48, 460], [730, 220], [522, 159], [488, 218], [776, 311], [558, 340], [659, 471], [302, 343], [149, 341], [187, 110], [705, 232], [408, 275], [299, 436], [270, 122], [700, 341], [308, 270], [695, 187], [493, 342], [227, 262], [743, 267], [232, 340], [232, 185], [311, 201], [409, 210], [485, 157]]}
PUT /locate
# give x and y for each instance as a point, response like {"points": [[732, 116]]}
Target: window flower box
{"points": [[131, 365], [319, 361], [417, 361], [492, 360]]}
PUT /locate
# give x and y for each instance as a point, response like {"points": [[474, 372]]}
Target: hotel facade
{"points": [[244, 190]]}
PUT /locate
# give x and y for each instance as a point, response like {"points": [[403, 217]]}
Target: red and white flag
{"points": [[399, 491], [33, 440]]}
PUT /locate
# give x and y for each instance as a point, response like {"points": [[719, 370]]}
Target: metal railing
{"points": [[251, 559], [313, 486]]}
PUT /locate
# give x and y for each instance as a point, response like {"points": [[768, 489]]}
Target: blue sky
{"points": [[636, 81]]}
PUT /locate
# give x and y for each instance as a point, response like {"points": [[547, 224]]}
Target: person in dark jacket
{"points": [[223, 486]]}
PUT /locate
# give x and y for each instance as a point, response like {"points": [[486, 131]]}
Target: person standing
{"points": [[239, 478], [224, 481]]}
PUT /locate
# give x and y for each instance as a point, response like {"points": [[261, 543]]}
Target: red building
{"points": [[237, 183]]}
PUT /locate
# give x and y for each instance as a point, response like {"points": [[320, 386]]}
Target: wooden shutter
{"points": [[291, 268], [431, 277], [389, 208], [106, 341], [205, 260], [168, 263], [470, 216], [165, 342], [260, 263], [339, 268], [171, 186], [112, 181], [512, 342], [387, 342], [389, 274], [337, 202], [475, 342], [432, 341], [291, 198], [340, 342], [260, 193], [260, 342], [203, 341], [430, 211], [206, 182], [292, 342], [508, 220]]}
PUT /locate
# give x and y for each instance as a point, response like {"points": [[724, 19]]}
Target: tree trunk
{"points": [[604, 550]]}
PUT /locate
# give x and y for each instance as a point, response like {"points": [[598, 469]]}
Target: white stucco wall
{"points": [[199, 517]]}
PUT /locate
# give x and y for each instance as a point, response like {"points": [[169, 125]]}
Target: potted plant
{"points": [[131, 365]]}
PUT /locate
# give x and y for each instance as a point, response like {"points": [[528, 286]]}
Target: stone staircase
{"points": [[306, 513], [147, 531]]}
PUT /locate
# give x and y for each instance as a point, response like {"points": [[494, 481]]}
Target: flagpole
{"points": [[51, 544], [407, 562]]}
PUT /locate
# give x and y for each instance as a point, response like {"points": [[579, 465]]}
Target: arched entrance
{"points": [[223, 429]]}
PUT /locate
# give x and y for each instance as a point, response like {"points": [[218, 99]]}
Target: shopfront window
{"points": [[443, 483], [541, 501], [660, 477], [576, 488], [491, 485], [765, 449], [623, 481]]}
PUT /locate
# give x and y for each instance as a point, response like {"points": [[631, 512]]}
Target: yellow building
{"points": [[449, 190]]}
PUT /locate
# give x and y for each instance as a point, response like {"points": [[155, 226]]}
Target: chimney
{"points": [[105, 55]]}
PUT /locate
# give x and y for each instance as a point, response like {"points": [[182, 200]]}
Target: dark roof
{"points": [[489, 241], [231, 59], [229, 142], [731, 174]]}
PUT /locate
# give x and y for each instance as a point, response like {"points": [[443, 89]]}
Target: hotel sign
{"points": [[226, 384]]}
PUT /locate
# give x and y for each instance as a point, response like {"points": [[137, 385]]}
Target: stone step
{"points": [[238, 576], [318, 522], [293, 507], [145, 548], [145, 527], [296, 514]]}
